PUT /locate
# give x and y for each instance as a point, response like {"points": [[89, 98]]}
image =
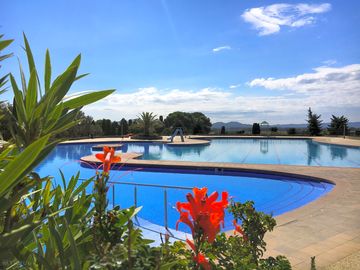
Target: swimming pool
{"points": [[272, 194], [253, 151]]}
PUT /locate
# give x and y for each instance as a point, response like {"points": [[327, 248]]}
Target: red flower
{"points": [[238, 229], [107, 158], [200, 259], [207, 214]]}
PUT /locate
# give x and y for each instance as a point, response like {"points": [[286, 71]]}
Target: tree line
{"points": [[147, 124], [339, 125]]}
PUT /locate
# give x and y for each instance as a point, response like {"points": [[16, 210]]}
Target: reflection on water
{"points": [[185, 150], [337, 152], [313, 152], [264, 146], [252, 151]]}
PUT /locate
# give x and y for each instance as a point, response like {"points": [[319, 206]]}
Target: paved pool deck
{"points": [[328, 228]]}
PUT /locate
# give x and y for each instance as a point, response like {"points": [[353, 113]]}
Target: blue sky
{"points": [[244, 61]]}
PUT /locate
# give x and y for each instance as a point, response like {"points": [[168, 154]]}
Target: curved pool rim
{"points": [[216, 170]]}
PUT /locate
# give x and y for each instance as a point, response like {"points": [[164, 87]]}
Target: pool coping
{"points": [[205, 140], [328, 228]]}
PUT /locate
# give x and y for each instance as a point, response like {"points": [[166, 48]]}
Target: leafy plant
{"points": [[3, 44], [30, 211], [146, 121], [338, 125]]}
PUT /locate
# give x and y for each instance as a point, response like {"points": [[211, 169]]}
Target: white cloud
{"points": [[234, 86], [324, 80], [327, 90], [269, 19], [218, 49]]}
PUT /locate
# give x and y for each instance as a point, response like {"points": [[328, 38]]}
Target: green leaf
{"points": [[5, 43], [74, 250], [21, 165], [47, 74], [31, 94], [58, 240], [29, 54], [81, 76], [87, 99], [18, 97]]}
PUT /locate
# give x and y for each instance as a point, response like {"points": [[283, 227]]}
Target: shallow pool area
{"points": [[155, 192]]}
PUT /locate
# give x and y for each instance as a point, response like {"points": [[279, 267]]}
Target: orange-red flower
{"points": [[207, 214], [238, 229], [107, 158], [200, 259]]}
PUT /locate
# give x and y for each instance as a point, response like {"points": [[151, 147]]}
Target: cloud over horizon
{"points": [[270, 19], [327, 90]]}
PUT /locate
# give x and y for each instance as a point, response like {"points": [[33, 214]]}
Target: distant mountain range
{"points": [[238, 126]]}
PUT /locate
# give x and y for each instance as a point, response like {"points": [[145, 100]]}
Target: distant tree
{"points": [[124, 127], [256, 128], [222, 131], [314, 123], [146, 121], [159, 127], [115, 130], [195, 123], [130, 122], [161, 118], [179, 119], [338, 124], [86, 127], [291, 131], [201, 124], [106, 126], [274, 129]]}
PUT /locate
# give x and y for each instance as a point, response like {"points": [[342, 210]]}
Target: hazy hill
{"points": [[238, 126]]}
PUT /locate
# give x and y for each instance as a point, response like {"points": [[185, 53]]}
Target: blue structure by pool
{"points": [[272, 194]]}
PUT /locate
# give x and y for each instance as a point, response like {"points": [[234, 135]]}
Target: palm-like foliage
{"points": [[37, 116], [147, 120], [37, 113], [3, 45], [338, 125]]}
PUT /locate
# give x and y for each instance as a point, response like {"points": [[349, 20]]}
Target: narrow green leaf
{"points": [[18, 97], [29, 54], [23, 80], [5, 56], [21, 164], [47, 75], [62, 85], [81, 76], [74, 250], [46, 193], [5, 43], [58, 240], [87, 99], [31, 94]]}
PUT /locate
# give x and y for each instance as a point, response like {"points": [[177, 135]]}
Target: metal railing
{"points": [[136, 185]]}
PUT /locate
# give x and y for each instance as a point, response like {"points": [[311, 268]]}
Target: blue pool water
{"points": [[271, 194], [254, 151]]}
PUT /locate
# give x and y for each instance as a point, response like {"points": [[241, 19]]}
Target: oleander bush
{"points": [[50, 225]]}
